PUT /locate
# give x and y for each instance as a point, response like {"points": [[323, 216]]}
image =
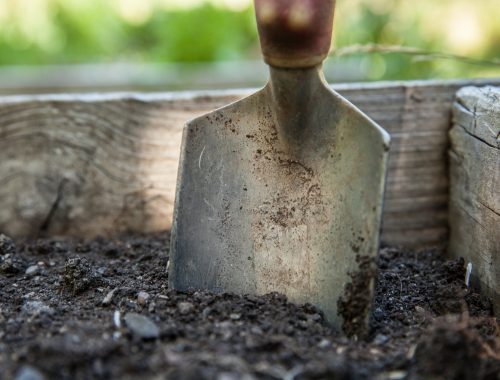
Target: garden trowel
{"points": [[282, 191]]}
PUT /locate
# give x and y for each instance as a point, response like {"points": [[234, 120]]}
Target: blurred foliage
{"points": [[81, 31], [75, 31], [459, 27]]}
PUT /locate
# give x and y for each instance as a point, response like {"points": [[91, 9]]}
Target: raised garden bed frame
{"points": [[101, 164]]}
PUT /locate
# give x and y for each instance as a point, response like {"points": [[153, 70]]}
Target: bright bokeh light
{"points": [[236, 5], [464, 30], [138, 12], [133, 11]]}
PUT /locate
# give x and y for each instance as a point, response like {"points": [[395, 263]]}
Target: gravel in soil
{"points": [[102, 309]]}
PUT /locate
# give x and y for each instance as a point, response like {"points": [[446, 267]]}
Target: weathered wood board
{"points": [[87, 165], [475, 185]]}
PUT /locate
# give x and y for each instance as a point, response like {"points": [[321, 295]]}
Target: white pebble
{"points": [[467, 274], [116, 319], [32, 270], [185, 307], [142, 298]]}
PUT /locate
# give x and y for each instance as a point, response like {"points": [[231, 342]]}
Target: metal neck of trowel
{"points": [[295, 37], [293, 95]]}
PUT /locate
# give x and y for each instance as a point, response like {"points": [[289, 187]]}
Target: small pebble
{"points": [[420, 310], [29, 373], [142, 298], [256, 330], [185, 307], [206, 311], [381, 339], [324, 343], [37, 308], [142, 326], [117, 319], [151, 307], [396, 375], [32, 270]]}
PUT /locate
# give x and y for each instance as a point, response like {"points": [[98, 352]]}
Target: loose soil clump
{"points": [[102, 309]]}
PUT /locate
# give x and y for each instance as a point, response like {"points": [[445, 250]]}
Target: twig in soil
{"points": [[400, 284], [107, 300]]}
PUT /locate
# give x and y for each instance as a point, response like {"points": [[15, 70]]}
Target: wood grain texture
{"points": [[87, 165], [475, 185]]}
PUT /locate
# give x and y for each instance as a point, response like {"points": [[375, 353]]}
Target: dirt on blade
{"points": [[354, 306]]}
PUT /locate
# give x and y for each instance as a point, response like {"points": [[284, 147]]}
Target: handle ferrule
{"points": [[295, 33]]}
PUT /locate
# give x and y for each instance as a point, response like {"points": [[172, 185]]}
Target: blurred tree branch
{"points": [[418, 53]]}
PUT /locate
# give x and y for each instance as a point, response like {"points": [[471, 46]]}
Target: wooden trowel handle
{"points": [[295, 33]]}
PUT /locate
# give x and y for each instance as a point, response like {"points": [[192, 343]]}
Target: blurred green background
{"points": [[153, 35]]}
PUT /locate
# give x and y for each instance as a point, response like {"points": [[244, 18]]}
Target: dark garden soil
{"points": [[102, 309]]}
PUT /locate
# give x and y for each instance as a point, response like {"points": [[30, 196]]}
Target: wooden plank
{"points": [[87, 165], [477, 110], [430, 202], [475, 185], [434, 237]]}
